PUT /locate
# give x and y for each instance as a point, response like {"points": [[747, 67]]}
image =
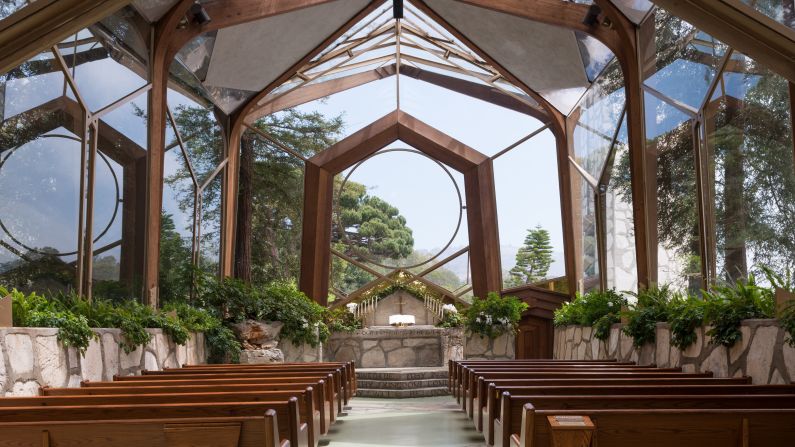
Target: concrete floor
{"points": [[427, 421]]}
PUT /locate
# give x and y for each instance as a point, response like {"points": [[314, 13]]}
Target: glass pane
{"points": [[782, 11], [8, 7], [40, 179], [670, 136], [277, 199], [635, 10], [210, 241], [32, 84], [589, 247], [595, 55], [528, 200], [621, 261], [200, 133], [600, 111], [750, 147], [685, 61], [175, 230]]}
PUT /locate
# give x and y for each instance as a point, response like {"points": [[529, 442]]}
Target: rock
{"points": [[760, 354], [19, 349], [428, 357], [737, 350], [788, 351], [675, 358], [500, 348], [586, 333], [414, 342], [161, 347], [26, 388], [400, 358], [580, 353], [131, 360], [182, 355], [110, 349], [260, 333], [150, 362], [595, 348], [717, 362], [52, 361], [3, 375], [368, 344], [345, 354], [91, 362], [171, 361], [613, 343], [626, 347], [74, 381], [662, 353], [689, 368], [373, 358], [577, 335], [777, 379], [259, 356], [388, 345], [646, 356], [476, 345], [694, 350]]}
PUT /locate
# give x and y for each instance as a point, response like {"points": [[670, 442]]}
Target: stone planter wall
{"points": [[303, 353], [500, 348], [32, 357], [387, 347], [761, 354]]}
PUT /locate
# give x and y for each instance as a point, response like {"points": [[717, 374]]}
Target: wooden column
{"points": [[484, 239], [792, 117], [570, 205], [229, 201], [316, 233], [160, 60]]}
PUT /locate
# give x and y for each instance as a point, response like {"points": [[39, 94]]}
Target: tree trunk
{"points": [[244, 207], [734, 220]]}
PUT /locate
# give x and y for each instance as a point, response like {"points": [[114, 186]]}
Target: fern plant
{"points": [[727, 305], [650, 308]]}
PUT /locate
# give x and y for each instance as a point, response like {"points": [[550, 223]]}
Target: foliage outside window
{"points": [[533, 259], [494, 315]]}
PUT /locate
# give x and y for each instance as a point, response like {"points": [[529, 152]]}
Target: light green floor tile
{"points": [[430, 421]]}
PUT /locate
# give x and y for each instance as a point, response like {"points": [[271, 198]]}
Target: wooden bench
{"points": [[662, 428], [308, 412], [322, 404], [507, 425], [253, 431], [287, 414]]}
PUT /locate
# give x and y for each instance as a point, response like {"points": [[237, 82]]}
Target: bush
{"points": [[341, 320], [451, 317], [222, 344], [36, 311], [685, 314], [727, 306], [599, 309], [650, 308], [494, 315]]}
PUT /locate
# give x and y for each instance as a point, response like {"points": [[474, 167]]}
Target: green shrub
{"points": [[787, 314], [685, 314], [451, 317], [650, 308], [222, 344], [341, 319], [599, 309], [726, 306], [494, 315], [36, 311]]}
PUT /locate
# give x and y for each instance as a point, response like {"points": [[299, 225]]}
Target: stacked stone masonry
{"points": [[33, 357], [762, 353]]}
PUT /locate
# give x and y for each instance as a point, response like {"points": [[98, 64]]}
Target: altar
{"points": [[396, 347]]}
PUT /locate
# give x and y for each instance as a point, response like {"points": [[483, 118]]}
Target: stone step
{"points": [[401, 384], [409, 374], [402, 394]]}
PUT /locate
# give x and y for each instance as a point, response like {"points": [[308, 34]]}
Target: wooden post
{"points": [[571, 431], [6, 316], [316, 237], [783, 299], [484, 239]]}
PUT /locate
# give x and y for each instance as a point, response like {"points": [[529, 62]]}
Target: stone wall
{"points": [[761, 354], [303, 353], [500, 348], [388, 347], [33, 357]]}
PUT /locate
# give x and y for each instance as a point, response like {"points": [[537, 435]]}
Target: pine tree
{"points": [[533, 259]]}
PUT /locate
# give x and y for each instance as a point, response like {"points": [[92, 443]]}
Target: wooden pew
{"points": [[486, 409], [252, 431], [339, 375], [512, 406], [470, 392], [287, 414], [620, 386], [322, 404], [309, 414], [333, 392], [665, 428]]}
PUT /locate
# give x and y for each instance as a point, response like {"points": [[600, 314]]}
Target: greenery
{"points": [[642, 317], [726, 306], [685, 314], [533, 258], [74, 316], [451, 317], [341, 320], [494, 315], [600, 309]]}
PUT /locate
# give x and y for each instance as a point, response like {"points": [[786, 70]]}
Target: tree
{"points": [[533, 258]]}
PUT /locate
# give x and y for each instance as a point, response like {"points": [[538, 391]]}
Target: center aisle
{"points": [[425, 421]]}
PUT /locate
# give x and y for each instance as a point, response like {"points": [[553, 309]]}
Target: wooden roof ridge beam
{"points": [[437, 144]]}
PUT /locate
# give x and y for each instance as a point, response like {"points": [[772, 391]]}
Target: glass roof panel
{"points": [[782, 11], [635, 10], [8, 7], [595, 55], [153, 10]]}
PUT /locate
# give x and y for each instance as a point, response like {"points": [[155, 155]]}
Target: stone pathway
{"points": [[428, 421]]}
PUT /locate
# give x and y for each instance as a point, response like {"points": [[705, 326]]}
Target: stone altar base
{"points": [[390, 347]]}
